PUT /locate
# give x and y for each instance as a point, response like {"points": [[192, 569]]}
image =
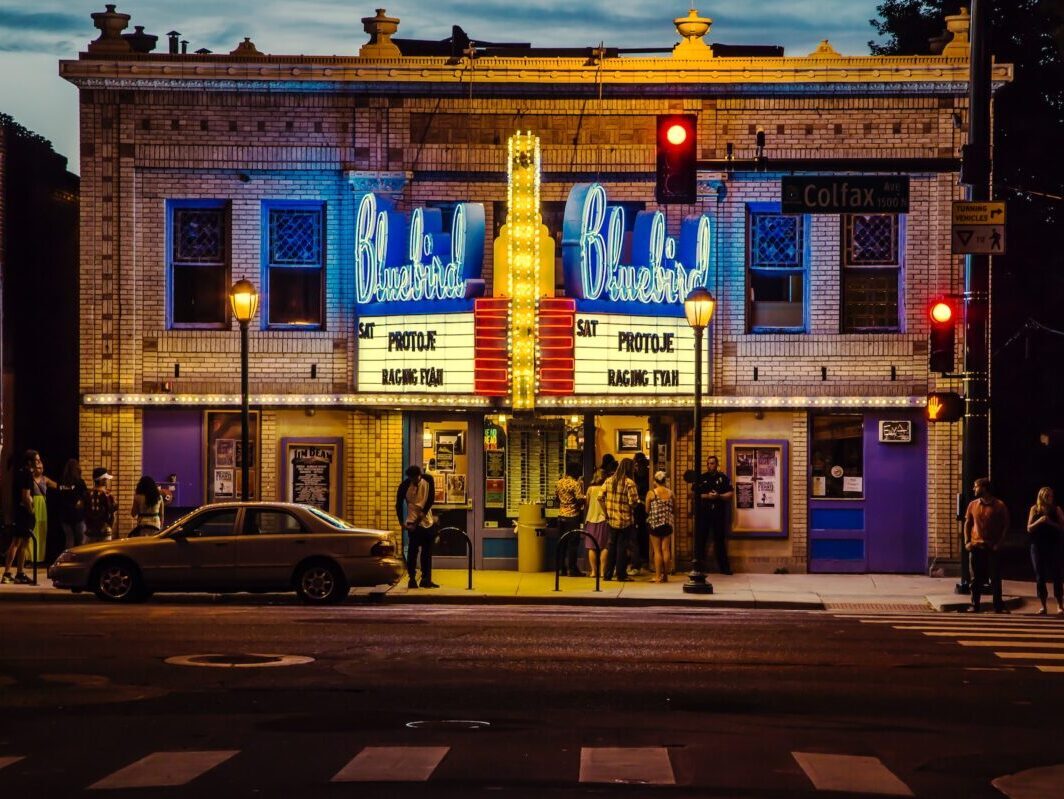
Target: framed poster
{"points": [[223, 458], [312, 472], [629, 440], [758, 470], [899, 431]]}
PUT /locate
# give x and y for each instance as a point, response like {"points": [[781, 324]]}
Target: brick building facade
{"points": [[808, 354]]}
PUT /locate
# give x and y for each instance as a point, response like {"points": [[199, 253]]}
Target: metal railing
{"points": [[469, 552], [559, 551]]}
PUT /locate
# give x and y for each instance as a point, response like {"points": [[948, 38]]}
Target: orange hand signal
{"points": [[934, 408]]}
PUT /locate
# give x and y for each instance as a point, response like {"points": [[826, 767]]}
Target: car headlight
{"points": [[383, 548], [66, 557]]}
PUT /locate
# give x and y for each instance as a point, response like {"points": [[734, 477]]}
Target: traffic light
{"points": [[677, 158], [944, 406], [941, 343]]}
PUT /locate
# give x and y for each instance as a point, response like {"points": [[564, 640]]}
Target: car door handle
{"points": [[300, 541], [221, 543]]}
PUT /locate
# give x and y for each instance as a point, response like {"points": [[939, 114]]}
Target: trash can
{"points": [[531, 539]]}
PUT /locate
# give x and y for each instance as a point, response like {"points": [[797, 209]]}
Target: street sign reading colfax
{"points": [[978, 228], [845, 194]]}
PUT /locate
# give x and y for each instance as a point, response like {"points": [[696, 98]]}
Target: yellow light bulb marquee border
{"points": [[522, 254]]}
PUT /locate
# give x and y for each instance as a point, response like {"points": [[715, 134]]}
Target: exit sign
{"points": [[845, 194]]}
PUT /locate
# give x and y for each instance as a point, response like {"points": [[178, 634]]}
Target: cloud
{"points": [[49, 22]]}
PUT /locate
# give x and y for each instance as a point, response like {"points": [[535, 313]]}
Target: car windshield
{"points": [[328, 517]]}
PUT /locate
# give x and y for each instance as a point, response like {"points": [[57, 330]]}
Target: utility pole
{"points": [[975, 173]]}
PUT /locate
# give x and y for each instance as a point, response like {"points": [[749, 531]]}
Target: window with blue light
{"points": [[777, 277], [872, 255], [197, 263], [294, 263]]}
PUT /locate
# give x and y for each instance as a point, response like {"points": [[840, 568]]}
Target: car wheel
{"points": [[321, 583], [118, 581]]}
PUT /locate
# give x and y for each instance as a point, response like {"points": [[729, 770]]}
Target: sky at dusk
{"points": [[36, 34]]}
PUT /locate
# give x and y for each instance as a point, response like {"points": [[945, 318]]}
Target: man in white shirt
{"points": [[419, 523]]}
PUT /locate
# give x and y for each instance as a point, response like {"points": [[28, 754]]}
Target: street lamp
{"points": [[244, 300], [698, 308]]}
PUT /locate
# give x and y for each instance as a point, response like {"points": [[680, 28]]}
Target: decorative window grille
{"points": [[294, 248], [776, 279], [198, 263], [871, 273]]}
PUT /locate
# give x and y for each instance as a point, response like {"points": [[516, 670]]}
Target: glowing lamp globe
{"points": [[244, 300], [699, 307]]}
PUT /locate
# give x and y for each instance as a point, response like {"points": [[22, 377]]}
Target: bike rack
{"points": [[34, 540], [469, 552], [559, 549]]}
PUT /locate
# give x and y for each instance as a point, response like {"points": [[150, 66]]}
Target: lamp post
{"points": [[244, 300], [698, 308]]}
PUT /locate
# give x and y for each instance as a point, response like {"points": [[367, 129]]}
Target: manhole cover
{"points": [[250, 660], [448, 724]]}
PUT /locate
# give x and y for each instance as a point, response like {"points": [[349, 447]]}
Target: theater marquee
{"points": [[618, 353], [420, 353]]}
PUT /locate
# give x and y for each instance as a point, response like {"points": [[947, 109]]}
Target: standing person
{"points": [[1045, 523], [148, 506], [416, 491], [38, 494], [661, 513], [715, 491], [100, 507], [595, 524], [72, 495], [619, 497], [641, 538], [25, 491], [570, 492], [985, 523]]}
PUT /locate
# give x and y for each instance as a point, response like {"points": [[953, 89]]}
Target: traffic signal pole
{"points": [[976, 173]]}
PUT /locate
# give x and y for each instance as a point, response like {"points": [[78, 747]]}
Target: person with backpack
{"points": [[100, 507]]}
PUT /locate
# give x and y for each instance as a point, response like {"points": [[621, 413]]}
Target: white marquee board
{"points": [[627, 354], [416, 353]]}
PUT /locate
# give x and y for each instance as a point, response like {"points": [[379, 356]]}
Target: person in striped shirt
{"points": [[619, 497]]}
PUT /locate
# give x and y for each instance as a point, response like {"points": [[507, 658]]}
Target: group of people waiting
{"points": [[616, 512], [85, 514]]}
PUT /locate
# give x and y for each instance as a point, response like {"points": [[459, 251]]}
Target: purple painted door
{"points": [[896, 498], [886, 531], [173, 444]]}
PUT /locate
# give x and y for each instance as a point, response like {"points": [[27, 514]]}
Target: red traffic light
{"points": [[941, 312], [676, 134]]}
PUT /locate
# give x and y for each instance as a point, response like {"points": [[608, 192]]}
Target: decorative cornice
{"points": [[872, 74]]}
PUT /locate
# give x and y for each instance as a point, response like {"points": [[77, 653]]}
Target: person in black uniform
{"points": [[715, 490], [641, 541]]}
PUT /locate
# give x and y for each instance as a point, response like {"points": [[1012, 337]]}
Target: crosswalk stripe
{"points": [[393, 764], [979, 634], [955, 628], [1032, 655], [1051, 669], [9, 760], [646, 765], [1039, 644], [973, 621], [850, 773], [161, 769]]}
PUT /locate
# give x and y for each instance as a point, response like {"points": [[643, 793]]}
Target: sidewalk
{"points": [[842, 592]]}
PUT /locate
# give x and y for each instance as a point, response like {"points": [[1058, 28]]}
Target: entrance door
{"points": [[448, 449]]}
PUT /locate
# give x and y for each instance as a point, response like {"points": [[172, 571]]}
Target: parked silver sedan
{"points": [[236, 546]]}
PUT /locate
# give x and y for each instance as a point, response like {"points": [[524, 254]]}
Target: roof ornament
{"points": [[246, 48], [958, 25], [825, 50], [692, 28], [111, 25], [380, 28]]}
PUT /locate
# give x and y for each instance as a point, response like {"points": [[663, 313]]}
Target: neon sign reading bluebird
{"points": [[663, 269], [434, 266]]}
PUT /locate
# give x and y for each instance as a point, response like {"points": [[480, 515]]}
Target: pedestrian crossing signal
{"points": [[944, 406]]}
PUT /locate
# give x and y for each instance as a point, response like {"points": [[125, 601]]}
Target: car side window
{"points": [[211, 524], [272, 522]]}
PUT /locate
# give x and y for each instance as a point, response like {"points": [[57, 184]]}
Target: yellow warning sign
{"points": [[972, 213]]}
